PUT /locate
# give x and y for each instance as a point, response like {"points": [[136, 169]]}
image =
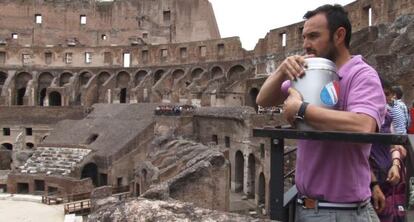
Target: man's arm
{"points": [[326, 119], [378, 196]]}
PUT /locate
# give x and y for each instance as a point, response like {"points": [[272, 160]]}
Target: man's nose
{"points": [[306, 44]]}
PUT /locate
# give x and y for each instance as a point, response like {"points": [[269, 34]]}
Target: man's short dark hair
{"points": [[336, 17], [398, 91]]}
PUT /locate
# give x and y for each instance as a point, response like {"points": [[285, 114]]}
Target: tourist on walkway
{"points": [[385, 161], [399, 111], [332, 177]]}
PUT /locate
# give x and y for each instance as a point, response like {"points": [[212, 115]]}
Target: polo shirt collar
{"points": [[348, 65]]}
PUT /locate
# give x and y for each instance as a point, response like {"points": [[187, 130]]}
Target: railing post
{"points": [[276, 189]]}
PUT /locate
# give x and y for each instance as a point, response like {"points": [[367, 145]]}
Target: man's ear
{"points": [[339, 35]]}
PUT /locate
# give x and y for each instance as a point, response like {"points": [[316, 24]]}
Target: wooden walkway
{"points": [[81, 207]]}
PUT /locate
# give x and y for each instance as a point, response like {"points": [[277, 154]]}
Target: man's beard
{"points": [[330, 53]]}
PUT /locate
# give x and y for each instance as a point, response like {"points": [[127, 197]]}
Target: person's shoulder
{"points": [[359, 66]]}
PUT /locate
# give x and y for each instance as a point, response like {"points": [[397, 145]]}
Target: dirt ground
{"points": [[21, 211]]}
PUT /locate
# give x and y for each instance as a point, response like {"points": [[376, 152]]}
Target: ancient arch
{"points": [[123, 95], [235, 72], [3, 77], [177, 74], [143, 180], [196, 73], [139, 76], [21, 81], [122, 79], [29, 145], [102, 78], [238, 171], [251, 175], [84, 78], [55, 99], [45, 80], [42, 96], [216, 72], [8, 146], [5, 158], [65, 78], [90, 170], [158, 75], [261, 195], [20, 96], [252, 98]]}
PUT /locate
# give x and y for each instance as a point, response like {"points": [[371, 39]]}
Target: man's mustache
{"points": [[311, 51]]}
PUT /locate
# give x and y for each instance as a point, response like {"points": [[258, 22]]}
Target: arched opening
{"points": [[251, 176], [122, 80], [29, 145], [3, 77], [65, 78], [139, 77], [7, 146], [21, 81], [45, 80], [196, 73], [42, 96], [84, 78], [158, 75], [90, 170], [143, 179], [177, 74], [235, 72], [102, 78], [137, 190], [239, 172], [123, 95], [252, 97], [261, 191], [20, 96], [216, 73], [5, 159], [55, 99]]}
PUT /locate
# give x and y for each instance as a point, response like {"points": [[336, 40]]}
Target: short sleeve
{"points": [[366, 95]]}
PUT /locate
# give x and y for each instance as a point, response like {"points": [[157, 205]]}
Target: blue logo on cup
{"points": [[329, 93]]}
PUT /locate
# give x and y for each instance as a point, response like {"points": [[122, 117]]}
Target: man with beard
{"points": [[332, 177]]}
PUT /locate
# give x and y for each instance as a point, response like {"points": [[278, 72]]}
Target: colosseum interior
{"points": [[136, 93]]}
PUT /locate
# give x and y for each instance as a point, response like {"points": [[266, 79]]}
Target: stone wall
{"points": [[106, 23], [113, 56], [33, 123], [51, 184]]}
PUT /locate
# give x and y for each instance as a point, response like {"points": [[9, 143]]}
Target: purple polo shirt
{"points": [[337, 171]]}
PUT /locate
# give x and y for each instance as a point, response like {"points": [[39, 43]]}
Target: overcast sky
{"points": [[252, 19]]}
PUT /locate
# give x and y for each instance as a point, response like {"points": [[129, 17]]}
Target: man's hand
{"points": [[378, 199], [292, 67], [291, 105], [394, 175]]}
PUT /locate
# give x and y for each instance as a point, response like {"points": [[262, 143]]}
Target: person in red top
{"points": [[411, 128]]}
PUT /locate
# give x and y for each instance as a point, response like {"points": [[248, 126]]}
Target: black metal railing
{"points": [[282, 204]]}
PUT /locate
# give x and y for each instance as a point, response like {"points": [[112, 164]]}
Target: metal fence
{"points": [[282, 204]]}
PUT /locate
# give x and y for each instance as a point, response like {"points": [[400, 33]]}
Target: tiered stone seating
{"points": [[54, 160]]}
